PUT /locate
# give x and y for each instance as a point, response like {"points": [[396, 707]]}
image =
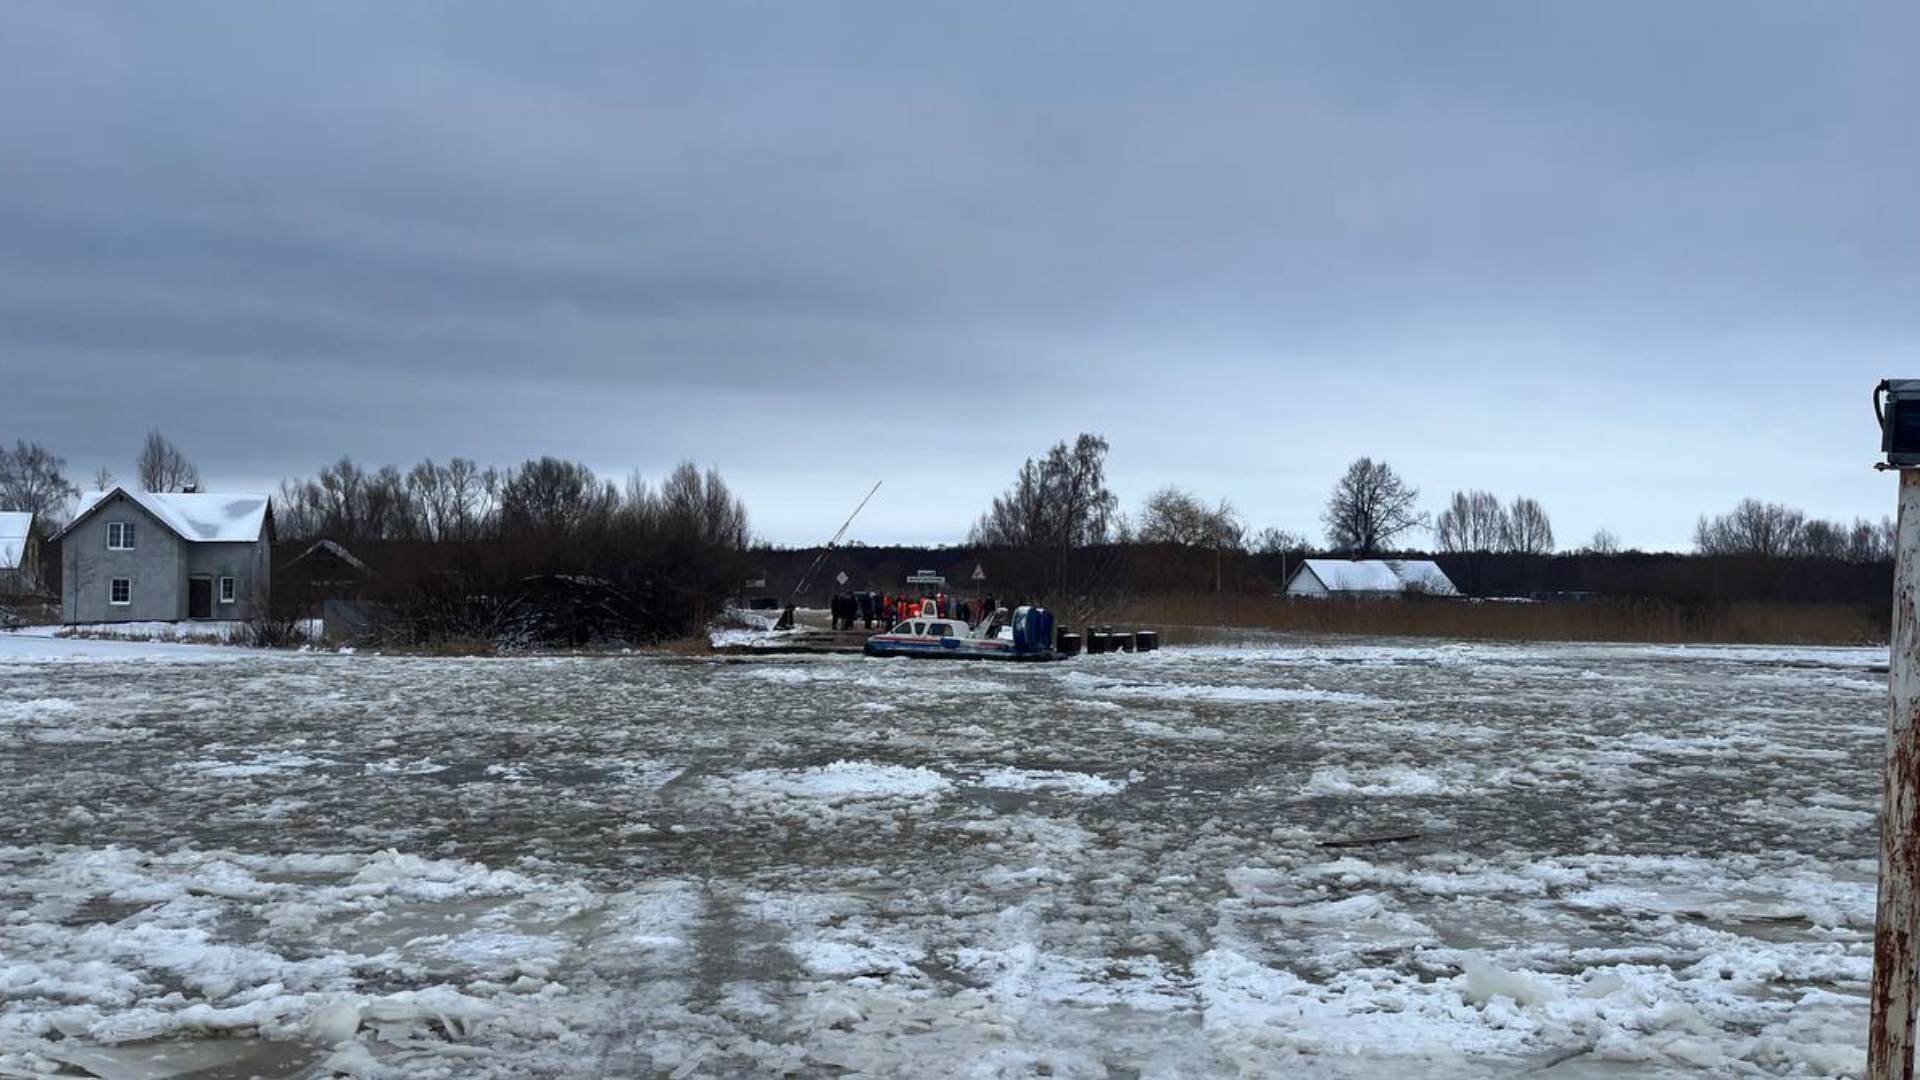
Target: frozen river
{"points": [[1324, 860]]}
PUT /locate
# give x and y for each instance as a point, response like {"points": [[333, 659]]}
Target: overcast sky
{"points": [[1634, 259]]}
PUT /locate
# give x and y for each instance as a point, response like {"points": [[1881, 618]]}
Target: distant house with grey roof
{"points": [[1378, 579], [20, 553], [132, 556]]}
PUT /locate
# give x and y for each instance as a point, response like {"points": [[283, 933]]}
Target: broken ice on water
{"points": [[1302, 860]]}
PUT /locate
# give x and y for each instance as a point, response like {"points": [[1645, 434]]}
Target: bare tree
{"points": [[162, 467], [1604, 542], [1821, 539], [1768, 530], [1472, 521], [103, 479], [1370, 507], [1173, 515], [1082, 505], [1869, 542], [701, 507], [1019, 517], [1528, 531], [454, 501], [33, 478], [553, 497], [1276, 541], [1059, 502]]}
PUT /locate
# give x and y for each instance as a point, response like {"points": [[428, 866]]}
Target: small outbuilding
{"points": [[19, 553], [131, 556], [1376, 579]]}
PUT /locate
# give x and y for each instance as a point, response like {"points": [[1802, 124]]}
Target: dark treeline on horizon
{"points": [[1059, 534], [450, 542]]}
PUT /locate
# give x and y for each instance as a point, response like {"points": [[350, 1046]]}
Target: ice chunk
{"points": [[1481, 982]]}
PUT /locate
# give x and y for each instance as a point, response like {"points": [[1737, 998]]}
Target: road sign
{"points": [[979, 572], [926, 577], [841, 577]]}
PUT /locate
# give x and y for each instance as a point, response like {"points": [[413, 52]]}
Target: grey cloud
{"points": [[634, 232]]}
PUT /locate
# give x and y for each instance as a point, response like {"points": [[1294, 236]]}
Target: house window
{"points": [[120, 591], [119, 536], [226, 590]]}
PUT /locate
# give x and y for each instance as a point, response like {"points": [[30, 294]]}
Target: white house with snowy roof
{"points": [[135, 556], [19, 553], [1369, 579]]}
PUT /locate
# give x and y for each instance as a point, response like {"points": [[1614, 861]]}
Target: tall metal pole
{"points": [[828, 550], [1897, 927]]}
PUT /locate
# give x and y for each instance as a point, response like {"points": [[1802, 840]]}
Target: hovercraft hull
{"points": [[959, 649]]}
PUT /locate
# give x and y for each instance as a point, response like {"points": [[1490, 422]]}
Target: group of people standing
{"points": [[867, 608]]}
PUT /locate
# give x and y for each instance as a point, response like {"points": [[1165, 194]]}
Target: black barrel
{"points": [[1145, 640], [1068, 643], [1122, 641], [1098, 641]]}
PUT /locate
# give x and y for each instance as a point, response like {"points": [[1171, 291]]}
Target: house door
{"points": [[199, 598]]}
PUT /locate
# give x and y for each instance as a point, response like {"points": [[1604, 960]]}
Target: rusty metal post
{"points": [[1897, 926]]}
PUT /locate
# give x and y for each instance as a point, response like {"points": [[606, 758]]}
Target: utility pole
{"points": [[1897, 923], [1890, 1036]]}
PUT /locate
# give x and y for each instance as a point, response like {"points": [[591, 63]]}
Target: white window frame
{"points": [[120, 536], [113, 586], [228, 594]]}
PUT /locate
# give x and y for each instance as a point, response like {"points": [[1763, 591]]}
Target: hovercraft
{"points": [[1027, 634]]}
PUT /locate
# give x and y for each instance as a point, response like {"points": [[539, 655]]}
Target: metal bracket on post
{"points": [[1897, 922]]}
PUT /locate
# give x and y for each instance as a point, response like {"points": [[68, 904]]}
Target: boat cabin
{"points": [[931, 628]]}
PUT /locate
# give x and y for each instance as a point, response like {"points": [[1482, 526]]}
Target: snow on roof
{"points": [[202, 516], [1382, 575], [338, 551], [1424, 575], [14, 526], [1342, 575]]}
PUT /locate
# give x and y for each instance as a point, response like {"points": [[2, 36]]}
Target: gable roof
{"points": [[1341, 575], [338, 551], [15, 527], [1381, 575], [201, 517]]}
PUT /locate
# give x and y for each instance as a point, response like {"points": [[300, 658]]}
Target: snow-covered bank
{"points": [[1583, 860], [39, 644]]}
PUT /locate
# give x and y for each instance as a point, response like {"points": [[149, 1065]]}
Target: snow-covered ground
{"points": [[1327, 861], [229, 631]]}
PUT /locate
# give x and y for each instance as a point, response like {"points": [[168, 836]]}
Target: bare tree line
{"points": [[460, 501], [1775, 531], [1478, 521], [1058, 503], [33, 478], [546, 551], [430, 501]]}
